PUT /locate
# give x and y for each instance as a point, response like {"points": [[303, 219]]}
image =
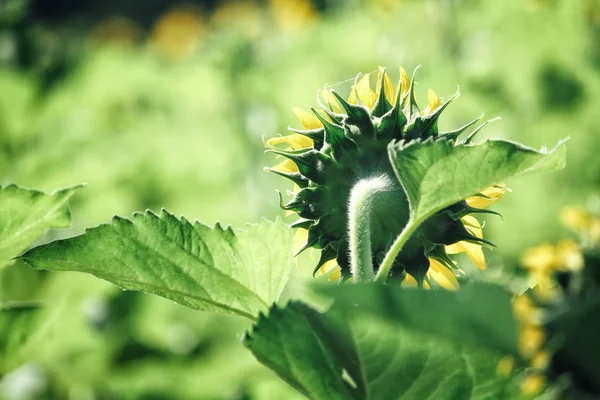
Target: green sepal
{"points": [[442, 229], [461, 209], [343, 260], [306, 202], [311, 241], [328, 253], [438, 252], [337, 118], [354, 111], [382, 106], [310, 162], [412, 108], [334, 134], [358, 120], [453, 135], [302, 223], [426, 126], [412, 260], [295, 177], [478, 129], [393, 122], [317, 135]]}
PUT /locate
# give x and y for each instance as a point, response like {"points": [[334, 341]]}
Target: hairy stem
{"points": [[361, 203], [393, 252]]}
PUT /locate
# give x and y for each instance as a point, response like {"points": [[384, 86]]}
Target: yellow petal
{"points": [[473, 250], [286, 166], [487, 196], [472, 225], [442, 275], [335, 275], [300, 239], [329, 266], [475, 254], [433, 102], [409, 281], [365, 94], [308, 120], [388, 86], [296, 141], [404, 82], [332, 102]]}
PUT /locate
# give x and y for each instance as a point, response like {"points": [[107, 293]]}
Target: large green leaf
{"points": [[212, 269], [297, 343], [479, 314], [26, 214], [355, 354], [436, 174]]}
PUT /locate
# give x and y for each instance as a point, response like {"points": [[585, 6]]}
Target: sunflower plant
{"points": [[387, 198]]}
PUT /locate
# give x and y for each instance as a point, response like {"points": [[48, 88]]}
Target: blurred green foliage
{"points": [[174, 117]]}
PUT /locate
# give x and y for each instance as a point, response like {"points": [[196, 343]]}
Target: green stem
{"points": [[390, 257], [359, 215]]}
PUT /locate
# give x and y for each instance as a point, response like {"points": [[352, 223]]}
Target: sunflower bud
{"points": [[343, 145]]}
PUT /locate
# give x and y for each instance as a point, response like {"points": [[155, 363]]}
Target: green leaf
{"points": [[211, 269], [20, 326], [288, 342], [436, 174], [479, 314], [355, 354], [26, 214]]}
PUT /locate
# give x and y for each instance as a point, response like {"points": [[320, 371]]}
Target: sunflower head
{"points": [[344, 143]]}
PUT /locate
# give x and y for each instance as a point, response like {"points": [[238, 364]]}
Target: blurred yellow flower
{"points": [[543, 261], [505, 366], [116, 30], [565, 256], [540, 360], [243, 16], [292, 15], [524, 310], [531, 339], [385, 6], [177, 34], [583, 222], [533, 384]]}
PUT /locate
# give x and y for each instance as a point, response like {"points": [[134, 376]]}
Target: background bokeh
{"points": [[155, 103]]}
